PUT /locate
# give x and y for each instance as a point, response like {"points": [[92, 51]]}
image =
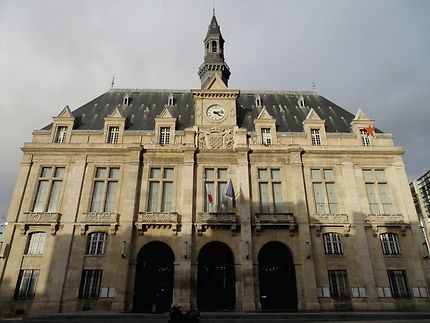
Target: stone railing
{"points": [[215, 220], [331, 218], [390, 220], [274, 220], [101, 217], [147, 220], [110, 219], [40, 218]]}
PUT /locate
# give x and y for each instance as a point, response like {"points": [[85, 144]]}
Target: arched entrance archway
{"points": [[216, 278], [277, 277], [153, 287]]}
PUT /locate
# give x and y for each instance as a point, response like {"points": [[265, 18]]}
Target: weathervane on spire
{"points": [[213, 7], [113, 82]]}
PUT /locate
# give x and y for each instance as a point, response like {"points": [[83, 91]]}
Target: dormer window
{"points": [[164, 135], [266, 136], [170, 100], [301, 102], [214, 46], [316, 137], [113, 135], [61, 134], [365, 140], [258, 101], [126, 99]]}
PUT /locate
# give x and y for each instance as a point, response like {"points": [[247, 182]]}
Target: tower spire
{"points": [[214, 62]]}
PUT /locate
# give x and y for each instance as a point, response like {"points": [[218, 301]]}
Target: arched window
{"points": [[96, 243], [332, 243], [258, 101], [214, 47], [301, 102], [126, 99], [390, 243], [36, 243], [170, 100]]}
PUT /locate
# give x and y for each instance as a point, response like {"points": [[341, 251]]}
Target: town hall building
{"points": [[215, 198]]}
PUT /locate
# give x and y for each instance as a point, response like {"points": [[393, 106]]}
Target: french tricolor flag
{"points": [[209, 194]]}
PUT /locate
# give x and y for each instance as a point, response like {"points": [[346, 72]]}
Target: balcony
{"points": [[110, 219], [51, 219], [215, 221], [274, 220], [157, 220], [387, 220], [332, 220]]}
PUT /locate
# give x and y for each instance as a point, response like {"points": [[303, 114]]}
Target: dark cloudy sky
{"points": [[368, 54]]}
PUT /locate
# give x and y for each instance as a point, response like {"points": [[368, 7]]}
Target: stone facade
{"points": [[127, 219]]}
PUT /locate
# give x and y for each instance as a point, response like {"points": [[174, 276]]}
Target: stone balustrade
{"points": [[146, 220], [216, 220], [274, 220]]}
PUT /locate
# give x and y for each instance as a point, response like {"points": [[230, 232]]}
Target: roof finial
{"points": [[314, 87], [113, 82], [213, 8]]}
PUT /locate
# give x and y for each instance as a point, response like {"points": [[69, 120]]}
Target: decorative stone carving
{"points": [[41, 218], [110, 219], [389, 220], [275, 220], [215, 139], [216, 220], [331, 218], [147, 220]]}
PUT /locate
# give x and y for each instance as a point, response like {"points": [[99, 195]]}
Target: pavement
{"points": [[231, 317]]}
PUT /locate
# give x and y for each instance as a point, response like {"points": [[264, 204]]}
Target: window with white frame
{"points": [[316, 137], [266, 136], [378, 192], [61, 135], [390, 243], [36, 243], [365, 140], [96, 243], [48, 189], [90, 283], [324, 191], [113, 135], [332, 243], [26, 284], [270, 190], [160, 189], [216, 186], [338, 283], [398, 283], [164, 135], [105, 189]]}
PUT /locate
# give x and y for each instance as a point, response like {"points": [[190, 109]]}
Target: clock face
{"points": [[216, 113]]}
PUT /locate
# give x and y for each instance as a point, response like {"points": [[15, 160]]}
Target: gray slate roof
{"points": [[146, 105]]}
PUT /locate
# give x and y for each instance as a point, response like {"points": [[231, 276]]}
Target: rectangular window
{"points": [[270, 189], [113, 135], [48, 189], [332, 243], [160, 189], [266, 136], [96, 243], [398, 283], [338, 283], [324, 191], [90, 283], [216, 186], [365, 140], [26, 285], [316, 137], [378, 192], [36, 244], [390, 244], [164, 135], [105, 189], [61, 134]]}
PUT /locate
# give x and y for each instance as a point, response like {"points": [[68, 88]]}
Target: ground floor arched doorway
{"points": [[216, 278], [277, 278], [153, 288]]}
